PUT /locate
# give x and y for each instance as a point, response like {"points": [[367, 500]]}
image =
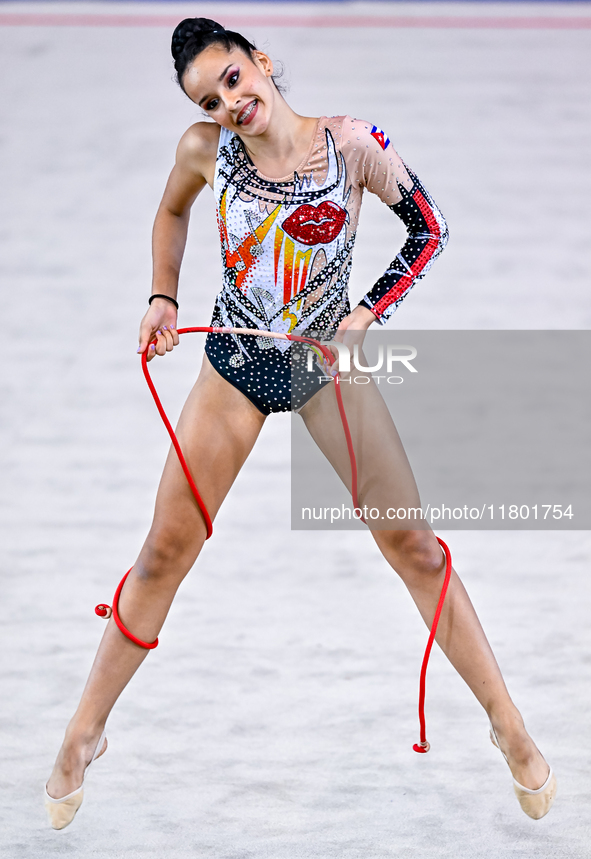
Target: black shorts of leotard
{"points": [[272, 380]]}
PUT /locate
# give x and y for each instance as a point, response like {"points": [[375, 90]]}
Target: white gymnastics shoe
{"points": [[536, 803], [62, 811]]}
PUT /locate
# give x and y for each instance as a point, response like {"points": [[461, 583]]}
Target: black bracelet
{"points": [[167, 297]]}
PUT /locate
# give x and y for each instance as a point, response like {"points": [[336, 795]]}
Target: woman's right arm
{"points": [[193, 169]]}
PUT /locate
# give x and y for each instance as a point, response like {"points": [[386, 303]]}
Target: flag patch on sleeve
{"points": [[380, 136]]}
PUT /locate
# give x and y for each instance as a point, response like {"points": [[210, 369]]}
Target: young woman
{"points": [[288, 190]]}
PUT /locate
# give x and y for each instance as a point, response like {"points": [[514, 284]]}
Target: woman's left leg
{"points": [[417, 558]]}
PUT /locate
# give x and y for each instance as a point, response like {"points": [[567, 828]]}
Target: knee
{"points": [[413, 554], [167, 555]]}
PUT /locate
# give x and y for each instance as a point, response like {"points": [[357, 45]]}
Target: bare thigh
{"points": [[385, 478], [216, 430]]}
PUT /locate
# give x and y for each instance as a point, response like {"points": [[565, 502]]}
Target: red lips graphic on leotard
{"points": [[313, 225]]}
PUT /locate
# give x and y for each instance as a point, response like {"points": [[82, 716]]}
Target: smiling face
{"points": [[235, 90]]}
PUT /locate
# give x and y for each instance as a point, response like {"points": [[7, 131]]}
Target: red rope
{"points": [[105, 611], [352, 458], [423, 746], [117, 619], [172, 434], [341, 407]]}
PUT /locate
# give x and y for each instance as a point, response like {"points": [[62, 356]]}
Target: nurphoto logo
{"points": [[392, 357]]}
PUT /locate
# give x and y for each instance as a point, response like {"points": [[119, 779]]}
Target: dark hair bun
{"points": [[193, 35], [192, 28]]}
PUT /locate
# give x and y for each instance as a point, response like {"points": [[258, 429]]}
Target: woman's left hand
{"points": [[353, 328]]}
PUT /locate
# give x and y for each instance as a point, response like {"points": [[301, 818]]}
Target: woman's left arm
{"points": [[382, 172], [427, 237]]}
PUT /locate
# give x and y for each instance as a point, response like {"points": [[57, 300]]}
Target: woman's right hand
{"points": [[160, 323]]}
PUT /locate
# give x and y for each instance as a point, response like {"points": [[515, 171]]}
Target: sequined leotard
{"points": [[287, 246]]}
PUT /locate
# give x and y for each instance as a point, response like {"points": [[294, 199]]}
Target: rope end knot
{"points": [[103, 610], [422, 748]]}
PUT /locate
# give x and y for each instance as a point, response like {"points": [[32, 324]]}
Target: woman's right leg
{"points": [[217, 430]]}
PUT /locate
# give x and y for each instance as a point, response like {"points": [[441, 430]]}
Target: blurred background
{"points": [[278, 715]]}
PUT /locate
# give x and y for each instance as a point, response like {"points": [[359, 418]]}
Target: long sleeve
{"points": [[383, 173]]}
